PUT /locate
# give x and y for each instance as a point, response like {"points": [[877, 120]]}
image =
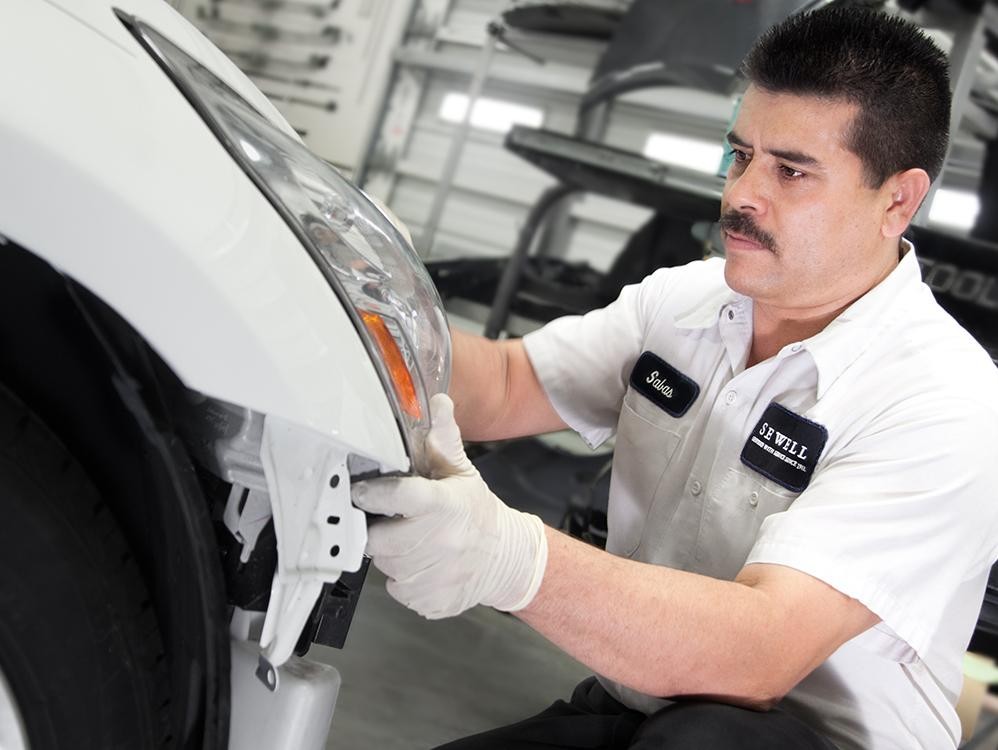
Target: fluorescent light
{"points": [[678, 150], [489, 114], [954, 208]]}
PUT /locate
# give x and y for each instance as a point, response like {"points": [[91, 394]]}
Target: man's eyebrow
{"points": [[735, 140], [797, 157]]}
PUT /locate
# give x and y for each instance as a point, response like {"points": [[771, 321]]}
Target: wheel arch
{"points": [[102, 389]]}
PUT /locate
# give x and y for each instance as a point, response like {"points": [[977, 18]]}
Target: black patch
{"points": [[785, 447], [663, 384]]}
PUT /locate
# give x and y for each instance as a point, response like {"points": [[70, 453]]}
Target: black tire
{"points": [[79, 642]]}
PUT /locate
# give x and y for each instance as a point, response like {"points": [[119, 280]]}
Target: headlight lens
{"points": [[364, 256]]}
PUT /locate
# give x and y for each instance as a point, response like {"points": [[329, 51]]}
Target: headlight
{"points": [[371, 266]]}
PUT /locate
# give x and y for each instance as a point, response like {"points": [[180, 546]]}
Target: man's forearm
{"points": [[661, 631], [479, 378], [495, 390]]}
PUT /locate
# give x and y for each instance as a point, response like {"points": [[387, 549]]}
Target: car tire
{"points": [[80, 649]]}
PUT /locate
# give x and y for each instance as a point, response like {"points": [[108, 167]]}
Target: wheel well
{"points": [[101, 388]]}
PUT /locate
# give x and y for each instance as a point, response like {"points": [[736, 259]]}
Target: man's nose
{"points": [[747, 190]]}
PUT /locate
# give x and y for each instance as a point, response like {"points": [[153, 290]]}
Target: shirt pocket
{"points": [[737, 504], [647, 439]]}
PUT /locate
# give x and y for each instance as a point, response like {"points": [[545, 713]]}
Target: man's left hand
{"points": [[450, 542]]}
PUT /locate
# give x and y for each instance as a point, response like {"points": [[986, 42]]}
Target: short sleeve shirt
{"points": [[865, 456]]}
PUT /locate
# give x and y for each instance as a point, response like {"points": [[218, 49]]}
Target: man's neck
{"points": [[775, 326], [773, 329]]}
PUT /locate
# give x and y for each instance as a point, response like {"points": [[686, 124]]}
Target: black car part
{"points": [[98, 386]]}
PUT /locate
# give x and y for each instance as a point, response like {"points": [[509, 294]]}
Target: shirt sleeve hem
{"points": [[548, 374], [851, 580]]}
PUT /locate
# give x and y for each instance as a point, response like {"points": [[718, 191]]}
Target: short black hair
{"points": [[887, 66]]}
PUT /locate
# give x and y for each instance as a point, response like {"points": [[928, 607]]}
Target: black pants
{"points": [[593, 719]]}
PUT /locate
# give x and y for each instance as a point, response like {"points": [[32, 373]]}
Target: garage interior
{"points": [[468, 121]]}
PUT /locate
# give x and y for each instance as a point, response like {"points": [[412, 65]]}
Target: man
{"points": [[802, 513]]}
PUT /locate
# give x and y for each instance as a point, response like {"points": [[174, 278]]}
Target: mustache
{"points": [[744, 225]]}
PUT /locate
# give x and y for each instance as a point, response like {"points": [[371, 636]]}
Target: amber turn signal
{"points": [[398, 371]]}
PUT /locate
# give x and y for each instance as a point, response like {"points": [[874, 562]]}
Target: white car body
{"points": [[156, 208]]}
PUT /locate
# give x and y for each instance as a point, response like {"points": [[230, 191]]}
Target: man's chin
{"points": [[744, 279]]}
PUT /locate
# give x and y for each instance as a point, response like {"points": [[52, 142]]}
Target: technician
{"points": [[802, 513]]}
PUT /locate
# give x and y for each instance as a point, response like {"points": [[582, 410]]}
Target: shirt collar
{"points": [[707, 310], [727, 313], [843, 340]]}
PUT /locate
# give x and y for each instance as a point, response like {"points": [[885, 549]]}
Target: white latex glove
{"points": [[451, 544]]}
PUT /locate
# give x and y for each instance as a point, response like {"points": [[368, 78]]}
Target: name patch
{"points": [[663, 384], [785, 447]]}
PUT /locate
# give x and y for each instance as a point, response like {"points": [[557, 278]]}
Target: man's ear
{"points": [[905, 192]]}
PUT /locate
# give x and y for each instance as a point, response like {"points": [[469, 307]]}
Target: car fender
{"points": [[111, 177]]}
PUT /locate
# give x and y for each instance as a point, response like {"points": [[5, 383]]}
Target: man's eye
{"points": [[790, 173], [739, 155]]}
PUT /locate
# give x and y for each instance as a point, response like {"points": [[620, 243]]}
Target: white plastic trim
{"points": [[246, 625], [12, 733], [295, 718], [319, 532]]}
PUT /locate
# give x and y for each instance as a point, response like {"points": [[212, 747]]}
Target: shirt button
{"points": [[696, 488], [729, 397], [796, 347], [731, 314], [753, 499]]}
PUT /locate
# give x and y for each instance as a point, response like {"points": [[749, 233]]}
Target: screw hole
{"points": [[335, 550], [335, 481], [333, 520]]}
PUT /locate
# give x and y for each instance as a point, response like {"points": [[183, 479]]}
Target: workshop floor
{"points": [[412, 684]]}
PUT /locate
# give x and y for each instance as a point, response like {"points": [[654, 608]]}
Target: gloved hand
{"points": [[451, 543]]}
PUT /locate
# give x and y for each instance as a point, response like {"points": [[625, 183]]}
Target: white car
{"points": [[206, 335]]}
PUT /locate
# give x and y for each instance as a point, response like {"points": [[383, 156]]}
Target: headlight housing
{"points": [[365, 258]]}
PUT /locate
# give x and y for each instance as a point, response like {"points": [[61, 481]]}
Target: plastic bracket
{"points": [[319, 532]]}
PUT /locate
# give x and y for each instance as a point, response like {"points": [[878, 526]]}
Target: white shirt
{"points": [[899, 512]]}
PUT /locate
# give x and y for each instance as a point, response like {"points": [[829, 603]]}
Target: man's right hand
{"points": [[450, 543]]}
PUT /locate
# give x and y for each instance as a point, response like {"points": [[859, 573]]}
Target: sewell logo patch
{"points": [[663, 384], [785, 447]]}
